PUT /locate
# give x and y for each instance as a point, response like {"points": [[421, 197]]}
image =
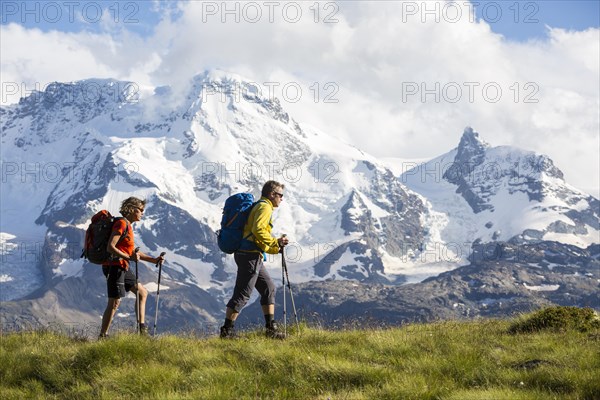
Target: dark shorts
{"points": [[118, 281], [251, 274]]}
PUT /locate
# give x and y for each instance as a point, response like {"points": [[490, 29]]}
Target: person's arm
{"points": [[147, 258], [112, 247], [260, 230]]}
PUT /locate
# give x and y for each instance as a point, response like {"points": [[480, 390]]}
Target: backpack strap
{"points": [[238, 213], [251, 234], [112, 256], [127, 225], [232, 219]]}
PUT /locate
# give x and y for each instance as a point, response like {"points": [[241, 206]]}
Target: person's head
{"points": [[132, 208], [273, 191]]}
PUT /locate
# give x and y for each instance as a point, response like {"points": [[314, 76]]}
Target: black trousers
{"points": [[251, 274], [118, 281]]}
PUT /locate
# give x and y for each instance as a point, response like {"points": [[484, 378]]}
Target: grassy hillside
{"points": [[487, 359]]}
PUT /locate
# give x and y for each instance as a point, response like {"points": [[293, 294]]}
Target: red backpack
{"points": [[97, 236]]}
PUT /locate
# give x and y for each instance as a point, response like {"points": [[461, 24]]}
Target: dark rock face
{"points": [[182, 307], [588, 216], [178, 231], [471, 149], [366, 267], [470, 155], [483, 175], [502, 280], [50, 115], [68, 201], [398, 232], [478, 177], [356, 217]]}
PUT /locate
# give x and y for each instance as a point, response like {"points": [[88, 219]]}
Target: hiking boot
{"points": [[143, 330], [227, 333], [273, 331], [103, 336]]}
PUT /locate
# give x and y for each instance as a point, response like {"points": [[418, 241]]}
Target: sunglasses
{"points": [[279, 194]]}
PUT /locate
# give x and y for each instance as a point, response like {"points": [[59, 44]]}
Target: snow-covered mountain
{"points": [[483, 194], [80, 147], [66, 157]]}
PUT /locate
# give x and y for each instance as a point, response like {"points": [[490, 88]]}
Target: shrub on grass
{"points": [[557, 319]]}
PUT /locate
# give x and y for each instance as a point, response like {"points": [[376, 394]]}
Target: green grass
{"points": [[446, 360], [557, 319]]}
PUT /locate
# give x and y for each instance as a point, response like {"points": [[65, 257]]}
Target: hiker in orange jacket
{"points": [[119, 278]]}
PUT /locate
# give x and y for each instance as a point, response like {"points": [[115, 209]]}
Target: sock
{"points": [[229, 323], [269, 318]]}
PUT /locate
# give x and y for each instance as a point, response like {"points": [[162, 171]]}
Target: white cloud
{"points": [[374, 53], [31, 59], [31, 56]]}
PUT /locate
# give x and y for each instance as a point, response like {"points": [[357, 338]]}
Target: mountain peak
{"points": [[471, 147]]}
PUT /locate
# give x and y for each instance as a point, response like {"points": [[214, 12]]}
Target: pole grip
{"points": [[160, 262]]}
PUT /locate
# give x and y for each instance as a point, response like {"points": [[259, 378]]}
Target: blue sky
{"points": [[138, 16], [516, 20], [523, 20]]}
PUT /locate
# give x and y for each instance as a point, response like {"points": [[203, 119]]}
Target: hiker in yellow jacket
{"points": [[249, 259]]}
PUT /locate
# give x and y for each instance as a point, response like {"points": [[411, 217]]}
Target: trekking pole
{"points": [[283, 287], [159, 265], [137, 292], [287, 277]]}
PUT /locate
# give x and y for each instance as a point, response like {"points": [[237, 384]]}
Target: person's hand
{"points": [[283, 241], [135, 257], [159, 259]]}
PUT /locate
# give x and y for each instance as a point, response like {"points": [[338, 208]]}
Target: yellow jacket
{"points": [[258, 228]]}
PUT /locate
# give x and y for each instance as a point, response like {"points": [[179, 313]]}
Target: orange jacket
{"points": [[126, 244]]}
